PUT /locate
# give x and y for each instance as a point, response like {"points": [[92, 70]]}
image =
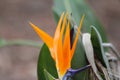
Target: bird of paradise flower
{"points": [[59, 46]]}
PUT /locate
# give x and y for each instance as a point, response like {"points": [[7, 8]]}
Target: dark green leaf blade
{"points": [[45, 61], [98, 48]]}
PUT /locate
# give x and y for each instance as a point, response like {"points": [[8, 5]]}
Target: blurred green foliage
{"points": [[77, 8]]}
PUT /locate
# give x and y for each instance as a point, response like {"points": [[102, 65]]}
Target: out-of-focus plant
{"points": [[4, 43]]}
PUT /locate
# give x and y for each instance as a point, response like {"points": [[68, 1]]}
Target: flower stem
{"points": [[5, 43]]}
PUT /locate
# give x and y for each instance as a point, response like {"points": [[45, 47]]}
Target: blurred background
{"points": [[20, 62]]}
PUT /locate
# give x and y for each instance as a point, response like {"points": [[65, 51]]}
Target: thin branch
{"points": [[5, 43]]}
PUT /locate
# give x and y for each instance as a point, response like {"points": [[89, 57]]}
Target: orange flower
{"points": [[60, 47]]}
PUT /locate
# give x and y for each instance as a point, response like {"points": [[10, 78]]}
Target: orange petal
{"points": [[58, 44], [76, 38], [59, 55], [60, 49], [45, 37], [64, 24], [57, 32], [81, 22], [66, 50]]}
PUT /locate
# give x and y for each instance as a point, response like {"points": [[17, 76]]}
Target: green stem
{"points": [[4, 43]]}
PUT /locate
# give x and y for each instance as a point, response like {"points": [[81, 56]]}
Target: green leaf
{"points": [[78, 8], [45, 61], [48, 76], [79, 60], [98, 48]]}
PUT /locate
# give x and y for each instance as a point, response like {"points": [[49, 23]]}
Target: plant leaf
{"points": [[90, 53], [48, 76], [45, 61], [98, 48]]}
